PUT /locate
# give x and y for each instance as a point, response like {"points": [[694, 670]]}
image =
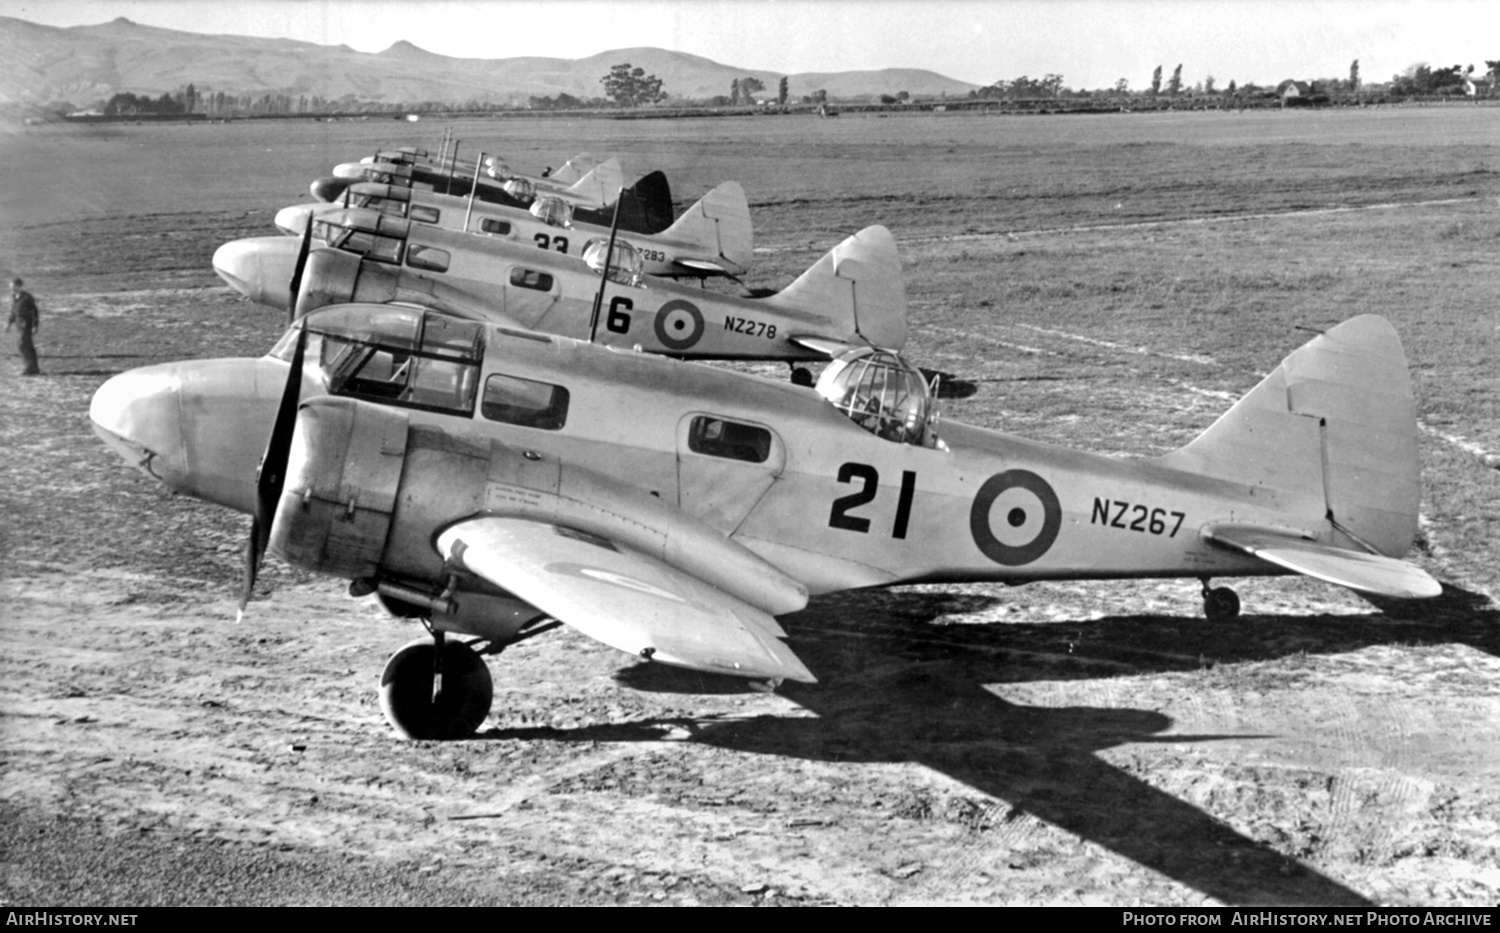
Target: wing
{"points": [[1369, 573], [624, 598]]}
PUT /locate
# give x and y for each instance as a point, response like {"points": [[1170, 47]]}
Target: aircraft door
{"points": [[724, 467]]}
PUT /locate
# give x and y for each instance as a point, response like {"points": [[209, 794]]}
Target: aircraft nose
{"points": [[293, 219], [199, 427], [350, 170], [328, 189], [260, 268], [137, 415]]}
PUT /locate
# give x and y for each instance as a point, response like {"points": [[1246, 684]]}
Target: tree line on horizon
{"points": [[629, 86], [1419, 80]]}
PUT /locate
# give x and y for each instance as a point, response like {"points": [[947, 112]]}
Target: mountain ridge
{"points": [[84, 65]]}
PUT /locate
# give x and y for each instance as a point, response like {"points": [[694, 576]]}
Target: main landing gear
{"points": [[436, 689], [442, 688], [1220, 603]]}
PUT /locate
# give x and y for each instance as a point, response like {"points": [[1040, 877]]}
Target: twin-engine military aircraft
{"points": [[644, 207], [854, 296], [595, 189], [486, 479], [711, 238]]}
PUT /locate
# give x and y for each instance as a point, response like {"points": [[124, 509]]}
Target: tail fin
{"points": [[858, 287], [719, 224], [645, 207], [1335, 422], [599, 186], [575, 168]]}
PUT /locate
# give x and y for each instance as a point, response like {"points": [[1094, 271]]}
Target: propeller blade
{"points": [[295, 286], [271, 477]]}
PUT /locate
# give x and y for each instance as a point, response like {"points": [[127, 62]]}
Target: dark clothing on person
{"points": [[23, 311]]}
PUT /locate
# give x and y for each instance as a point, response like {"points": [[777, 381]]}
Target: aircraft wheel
{"points": [[1221, 604], [458, 709]]}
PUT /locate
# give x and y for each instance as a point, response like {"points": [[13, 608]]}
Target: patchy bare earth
{"points": [[1069, 743]]}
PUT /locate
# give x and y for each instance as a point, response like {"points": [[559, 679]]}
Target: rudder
{"points": [[720, 224], [1335, 421], [858, 286]]}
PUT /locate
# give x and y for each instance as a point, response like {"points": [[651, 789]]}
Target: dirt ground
{"points": [[1086, 744]]}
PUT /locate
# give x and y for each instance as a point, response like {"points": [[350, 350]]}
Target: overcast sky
{"points": [[1091, 43]]}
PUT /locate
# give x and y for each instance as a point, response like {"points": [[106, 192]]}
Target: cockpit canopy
{"points": [[625, 266], [393, 355], [881, 393], [554, 212], [362, 230], [520, 189]]}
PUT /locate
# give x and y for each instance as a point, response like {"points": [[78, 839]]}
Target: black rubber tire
{"points": [[406, 692], [1221, 604]]}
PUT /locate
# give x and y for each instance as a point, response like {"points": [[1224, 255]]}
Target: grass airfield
{"points": [[1110, 283]]}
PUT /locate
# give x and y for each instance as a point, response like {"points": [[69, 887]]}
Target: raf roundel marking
{"points": [[678, 324], [1030, 518]]}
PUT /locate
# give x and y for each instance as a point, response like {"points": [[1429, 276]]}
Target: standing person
{"points": [[23, 311]]}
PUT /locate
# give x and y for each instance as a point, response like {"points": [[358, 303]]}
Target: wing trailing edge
{"points": [[624, 598]]}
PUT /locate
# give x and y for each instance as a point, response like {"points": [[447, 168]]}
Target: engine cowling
{"points": [[367, 492]]}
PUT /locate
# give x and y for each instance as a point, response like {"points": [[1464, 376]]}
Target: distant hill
{"points": [[87, 64]]}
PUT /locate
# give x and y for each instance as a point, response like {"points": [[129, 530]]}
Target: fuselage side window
{"points": [[530, 278], [525, 402], [387, 206], [428, 257], [423, 214], [730, 439], [372, 246], [492, 225]]}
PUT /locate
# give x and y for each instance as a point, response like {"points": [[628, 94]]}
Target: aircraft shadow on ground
{"points": [[899, 685]]}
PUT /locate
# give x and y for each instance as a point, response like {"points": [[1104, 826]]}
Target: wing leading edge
{"points": [[624, 598], [1368, 573]]}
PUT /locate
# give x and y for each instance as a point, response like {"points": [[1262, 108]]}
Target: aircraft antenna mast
{"points": [[452, 166], [609, 254], [473, 190]]}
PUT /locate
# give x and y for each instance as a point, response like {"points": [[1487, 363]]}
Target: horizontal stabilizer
{"points": [[623, 597], [832, 349], [701, 267], [1357, 570]]}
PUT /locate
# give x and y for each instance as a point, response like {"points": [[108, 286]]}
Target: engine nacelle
{"points": [[367, 493]]}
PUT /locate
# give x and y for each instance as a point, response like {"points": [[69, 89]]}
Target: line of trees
{"points": [[629, 86], [1418, 80]]}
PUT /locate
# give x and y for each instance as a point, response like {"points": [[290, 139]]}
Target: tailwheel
{"points": [[436, 690], [1220, 603]]}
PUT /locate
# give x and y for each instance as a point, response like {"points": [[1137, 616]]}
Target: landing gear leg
{"points": [[436, 689], [1220, 603]]}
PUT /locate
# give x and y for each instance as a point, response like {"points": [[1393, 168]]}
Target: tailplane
{"points": [[857, 286], [1334, 423], [719, 227]]}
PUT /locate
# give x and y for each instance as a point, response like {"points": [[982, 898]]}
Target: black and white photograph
{"points": [[750, 453]]}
